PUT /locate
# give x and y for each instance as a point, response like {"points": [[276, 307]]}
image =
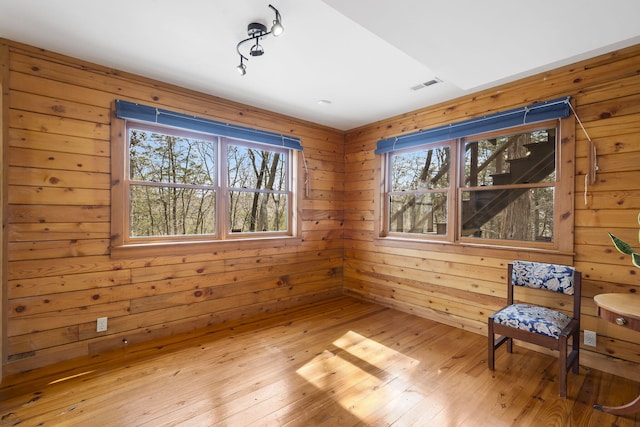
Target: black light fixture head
{"points": [[257, 31], [242, 69], [276, 28], [256, 50]]}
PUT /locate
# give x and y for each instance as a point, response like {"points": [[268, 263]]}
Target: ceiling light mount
{"points": [[256, 31]]}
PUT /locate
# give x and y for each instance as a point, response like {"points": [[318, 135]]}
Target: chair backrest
{"points": [[551, 277]]}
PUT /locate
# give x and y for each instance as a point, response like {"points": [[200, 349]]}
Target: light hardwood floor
{"points": [[340, 362]]}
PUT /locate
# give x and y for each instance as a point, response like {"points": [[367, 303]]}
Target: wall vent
{"points": [[426, 84]]}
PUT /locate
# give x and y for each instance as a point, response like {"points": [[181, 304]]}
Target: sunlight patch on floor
{"points": [[373, 352], [360, 374]]}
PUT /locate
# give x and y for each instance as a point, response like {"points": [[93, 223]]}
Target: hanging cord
{"points": [[590, 176], [306, 175]]}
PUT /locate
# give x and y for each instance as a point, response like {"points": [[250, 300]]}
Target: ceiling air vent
{"points": [[426, 84]]}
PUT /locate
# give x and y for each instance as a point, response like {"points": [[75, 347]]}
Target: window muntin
{"points": [[496, 201], [175, 192]]}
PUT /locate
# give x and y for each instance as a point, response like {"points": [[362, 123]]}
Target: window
{"points": [[419, 186], [508, 187], [172, 182], [179, 185], [258, 188]]}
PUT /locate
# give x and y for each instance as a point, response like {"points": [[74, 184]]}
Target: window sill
{"points": [[138, 250]]}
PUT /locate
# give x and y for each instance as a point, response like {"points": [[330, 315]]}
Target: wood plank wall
{"points": [[60, 276], [460, 285]]}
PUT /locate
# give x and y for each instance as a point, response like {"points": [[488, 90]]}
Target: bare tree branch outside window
{"points": [[174, 189]]}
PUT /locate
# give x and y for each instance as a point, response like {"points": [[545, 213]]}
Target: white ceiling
{"points": [[363, 56]]}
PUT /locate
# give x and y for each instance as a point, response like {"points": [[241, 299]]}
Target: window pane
{"points": [[418, 213], [514, 214], [423, 169], [256, 212], [512, 159], [170, 211], [256, 169], [158, 157]]}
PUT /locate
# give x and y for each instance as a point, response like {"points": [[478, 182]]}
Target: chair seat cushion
{"points": [[539, 320]]}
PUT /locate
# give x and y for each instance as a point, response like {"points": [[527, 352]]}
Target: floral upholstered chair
{"points": [[537, 324]]}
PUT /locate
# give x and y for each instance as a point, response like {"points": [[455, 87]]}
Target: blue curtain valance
{"points": [[143, 113], [548, 110]]}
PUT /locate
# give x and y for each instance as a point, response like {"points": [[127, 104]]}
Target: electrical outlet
{"points": [[101, 324], [589, 338]]}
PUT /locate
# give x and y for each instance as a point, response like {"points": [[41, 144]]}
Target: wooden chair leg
{"points": [[492, 347], [576, 347], [562, 362], [509, 345]]}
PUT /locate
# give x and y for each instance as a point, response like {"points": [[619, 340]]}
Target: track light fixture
{"points": [[256, 32]]}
